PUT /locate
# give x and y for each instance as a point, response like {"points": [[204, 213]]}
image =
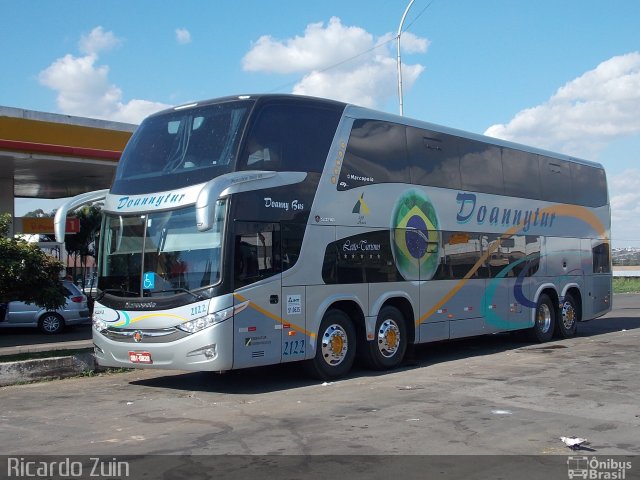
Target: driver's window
{"points": [[256, 252]]}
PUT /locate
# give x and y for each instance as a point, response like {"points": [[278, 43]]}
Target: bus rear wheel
{"points": [[335, 347], [545, 321], [567, 324], [387, 349]]}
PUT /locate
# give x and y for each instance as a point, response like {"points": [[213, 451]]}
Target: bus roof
{"points": [[355, 111]]}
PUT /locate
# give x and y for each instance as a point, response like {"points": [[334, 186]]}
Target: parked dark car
{"points": [[75, 311]]}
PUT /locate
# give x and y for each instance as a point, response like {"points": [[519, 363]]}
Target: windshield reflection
{"points": [[159, 254], [180, 148]]}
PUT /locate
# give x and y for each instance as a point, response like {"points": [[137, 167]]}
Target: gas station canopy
{"points": [[46, 155]]}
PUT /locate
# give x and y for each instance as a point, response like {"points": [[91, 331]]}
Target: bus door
{"points": [[599, 278], [257, 280]]}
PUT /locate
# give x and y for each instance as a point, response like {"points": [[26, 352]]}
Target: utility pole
{"points": [[399, 60]]}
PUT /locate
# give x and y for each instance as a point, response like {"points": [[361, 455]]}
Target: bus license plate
{"points": [[140, 357]]}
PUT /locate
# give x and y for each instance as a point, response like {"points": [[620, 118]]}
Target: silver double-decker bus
{"points": [[264, 229]]}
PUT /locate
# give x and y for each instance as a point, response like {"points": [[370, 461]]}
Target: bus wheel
{"points": [[335, 347], [542, 330], [387, 350], [567, 324]]}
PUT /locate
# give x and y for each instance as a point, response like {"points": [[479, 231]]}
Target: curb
{"points": [[12, 373]]}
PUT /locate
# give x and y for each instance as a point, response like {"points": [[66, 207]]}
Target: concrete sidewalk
{"points": [[64, 364]]}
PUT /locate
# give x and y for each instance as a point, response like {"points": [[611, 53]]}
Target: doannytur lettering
{"points": [[150, 200], [494, 215]]}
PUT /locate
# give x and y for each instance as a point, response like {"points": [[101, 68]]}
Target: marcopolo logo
{"points": [[415, 240]]}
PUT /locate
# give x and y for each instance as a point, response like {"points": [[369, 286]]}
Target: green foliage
{"points": [[626, 285], [83, 244], [26, 272]]}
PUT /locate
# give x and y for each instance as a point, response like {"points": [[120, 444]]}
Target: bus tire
{"points": [[544, 326], [335, 347], [567, 323], [387, 349]]}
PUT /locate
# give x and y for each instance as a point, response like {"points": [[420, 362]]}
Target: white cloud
{"points": [[585, 114], [625, 207], [98, 40], [341, 62], [580, 119], [183, 36], [83, 86]]}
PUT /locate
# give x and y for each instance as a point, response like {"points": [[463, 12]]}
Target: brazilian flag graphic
{"points": [[415, 240]]}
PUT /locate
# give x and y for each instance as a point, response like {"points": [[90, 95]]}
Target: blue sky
{"points": [[562, 75]]}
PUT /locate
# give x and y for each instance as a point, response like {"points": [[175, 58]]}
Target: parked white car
{"points": [[75, 311]]}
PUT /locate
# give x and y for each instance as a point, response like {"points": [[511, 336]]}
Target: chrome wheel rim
{"points": [[568, 315], [50, 323], [335, 345], [543, 319], [388, 338]]}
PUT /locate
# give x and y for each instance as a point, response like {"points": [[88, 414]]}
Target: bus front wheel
{"points": [[387, 349], [335, 347], [545, 322]]}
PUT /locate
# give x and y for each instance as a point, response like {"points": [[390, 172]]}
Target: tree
{"points": [[83, 243], [26, 272]]}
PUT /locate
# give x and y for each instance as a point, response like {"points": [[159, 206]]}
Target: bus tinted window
{"points": [[433, 158], [256, 252], [521, 174], [181, 148], [376, 153], [601, 258], [290, 137], [556, 180], [589, 185], [480, 167]]}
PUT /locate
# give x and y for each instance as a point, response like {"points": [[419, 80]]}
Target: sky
{"points": [[559, 75]]}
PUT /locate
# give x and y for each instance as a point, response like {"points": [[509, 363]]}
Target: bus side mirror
{"points": [[60, 220]]}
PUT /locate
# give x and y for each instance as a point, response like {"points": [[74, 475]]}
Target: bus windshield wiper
{"points": [[116, 290], [178, 289]]}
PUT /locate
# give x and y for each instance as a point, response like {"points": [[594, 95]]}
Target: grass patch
{"points": [[18, 357], [626, 285]]}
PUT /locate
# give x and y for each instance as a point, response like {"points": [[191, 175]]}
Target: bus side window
{"points": [[434, 158], [601, 258], [256, 252], [376, 153], [589, 185], [290, 137], [556, 180], [521, 174], [481, 167]]}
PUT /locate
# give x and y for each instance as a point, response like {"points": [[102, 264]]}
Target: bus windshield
{"points": [[159, 254], [180, 148]]}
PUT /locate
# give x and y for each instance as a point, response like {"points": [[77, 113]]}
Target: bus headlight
{"points": [[99, 325], [197, 324]]}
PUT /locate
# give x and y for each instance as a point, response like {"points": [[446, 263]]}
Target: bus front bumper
{"points": [[210, 349]]}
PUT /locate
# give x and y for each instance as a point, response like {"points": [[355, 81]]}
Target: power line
{"points": [[418, 16], [342, 62]]}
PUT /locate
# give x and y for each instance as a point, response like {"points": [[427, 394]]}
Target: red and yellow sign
{"points": [[35, 225]]}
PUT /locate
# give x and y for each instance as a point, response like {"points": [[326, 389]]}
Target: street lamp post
{"points": [[399, 60]]}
